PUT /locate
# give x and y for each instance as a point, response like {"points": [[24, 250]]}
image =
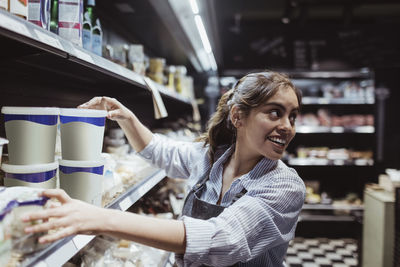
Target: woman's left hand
{"points": [[72, 217]]}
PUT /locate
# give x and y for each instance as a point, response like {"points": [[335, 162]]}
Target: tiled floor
{"points": [[322, 252]]}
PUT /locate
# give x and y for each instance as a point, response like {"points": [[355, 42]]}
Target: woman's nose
{"points": [[285, 124]]}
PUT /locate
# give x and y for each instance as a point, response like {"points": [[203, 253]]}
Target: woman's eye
{"points": [[274, 113], [293, 118]]}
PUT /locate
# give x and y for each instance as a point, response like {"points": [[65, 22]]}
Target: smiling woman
{"points": [[245, 202]]}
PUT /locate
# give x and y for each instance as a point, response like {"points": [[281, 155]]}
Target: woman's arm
{"points": [[137, 134], [78, 217]]}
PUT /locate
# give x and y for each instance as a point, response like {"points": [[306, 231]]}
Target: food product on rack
{"points": [[70, 19], [39, 13], [19, 7], [4, 4], [14, 202]]}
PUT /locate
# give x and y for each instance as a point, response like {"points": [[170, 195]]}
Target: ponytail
{"points": [[220, 130]]}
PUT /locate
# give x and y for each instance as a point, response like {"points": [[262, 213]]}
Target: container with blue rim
{"points": [[82, 179], [31, 132], [38, 175], [82, 132]]}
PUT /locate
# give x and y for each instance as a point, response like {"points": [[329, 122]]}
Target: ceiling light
{"points": [[212, 61], [203, 33], [194, 6]]}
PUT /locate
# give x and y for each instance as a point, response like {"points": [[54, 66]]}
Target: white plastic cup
{"points": [[82, 132], [31, 132], [82, 179], [38, 175]]}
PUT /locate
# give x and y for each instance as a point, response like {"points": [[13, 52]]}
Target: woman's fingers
{"points": [[115, 114], [43, 214], [59, 194], [51, 224], [92, 103], [67, 231], [101, 102]]}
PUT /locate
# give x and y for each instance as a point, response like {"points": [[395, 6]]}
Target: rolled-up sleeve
{"points": [[175, 157], [260, 220]]}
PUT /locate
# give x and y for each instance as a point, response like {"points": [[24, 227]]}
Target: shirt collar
{"points": [[262, 167]]}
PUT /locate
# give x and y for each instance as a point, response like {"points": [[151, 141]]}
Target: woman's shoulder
{"points": [[283, 174]]}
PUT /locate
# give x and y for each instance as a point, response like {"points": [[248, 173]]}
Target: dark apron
{"points": [[196, 208]]}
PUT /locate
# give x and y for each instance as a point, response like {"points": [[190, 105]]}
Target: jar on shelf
{"points": [[156, 69], [179, 78], [136, 58], [170, 73]]}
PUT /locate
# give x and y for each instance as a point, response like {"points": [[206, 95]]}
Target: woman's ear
{"points": [[235, 116]]}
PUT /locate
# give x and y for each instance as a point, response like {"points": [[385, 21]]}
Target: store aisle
{"points": [[322, 252]]}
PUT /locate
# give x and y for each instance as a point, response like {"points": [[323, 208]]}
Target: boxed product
{"points": [[4, 4], [19, 7], [39, 13], [70, 17]]}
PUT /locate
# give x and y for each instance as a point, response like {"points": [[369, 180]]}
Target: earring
{"points": [[235, 123]]}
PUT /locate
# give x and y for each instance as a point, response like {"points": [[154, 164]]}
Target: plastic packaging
{"points": [[82, 132], [31, 132], [70, 17], [83, 179], [14, 202], [39, 175], [39, 13]]}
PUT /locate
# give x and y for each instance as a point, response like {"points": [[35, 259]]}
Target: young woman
{"points": [[244, 203]]}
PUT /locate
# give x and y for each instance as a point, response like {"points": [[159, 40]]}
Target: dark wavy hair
{"points": [[249, 92]]}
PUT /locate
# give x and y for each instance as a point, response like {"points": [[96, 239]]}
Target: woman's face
{"points": [[269, 128]]}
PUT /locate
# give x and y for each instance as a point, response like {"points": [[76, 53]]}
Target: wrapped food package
{"points": [[14, 203]]}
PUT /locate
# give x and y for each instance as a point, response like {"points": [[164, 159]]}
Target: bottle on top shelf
{"points": [[54, 16], [91, 30]]}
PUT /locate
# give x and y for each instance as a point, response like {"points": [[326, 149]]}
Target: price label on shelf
{"points": [[125, 204], [41, 264], [48, 39], [14, 25], [159, 108], [82, 240], [83, 55]]}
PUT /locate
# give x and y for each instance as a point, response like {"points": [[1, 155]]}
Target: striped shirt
{"points": [[256, 229]]}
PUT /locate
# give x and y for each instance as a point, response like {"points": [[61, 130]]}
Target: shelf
{"points": [[325, 218], [327, 162], [331, 207], [349, 74], [308, 100], [336, 129], [58, 253], [75, 59]]}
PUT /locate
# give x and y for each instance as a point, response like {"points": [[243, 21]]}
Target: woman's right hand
{"points": [[72, 217], [115, 110]]}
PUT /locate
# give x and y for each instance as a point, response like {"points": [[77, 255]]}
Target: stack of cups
{"points": [[31, 132], [81, 166]]}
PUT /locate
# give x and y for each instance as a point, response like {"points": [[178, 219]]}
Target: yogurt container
{"points": [[82, 132], [82, 179], [31, 132], [2, 143], [37, 176]]}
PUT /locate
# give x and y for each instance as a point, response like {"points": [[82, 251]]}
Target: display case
{"points": [[334, 150]]}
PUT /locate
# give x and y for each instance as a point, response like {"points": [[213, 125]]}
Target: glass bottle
{"points": [[54, 16]]}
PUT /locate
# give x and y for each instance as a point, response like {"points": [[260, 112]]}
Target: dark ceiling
{"points": [[319, 34]]}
